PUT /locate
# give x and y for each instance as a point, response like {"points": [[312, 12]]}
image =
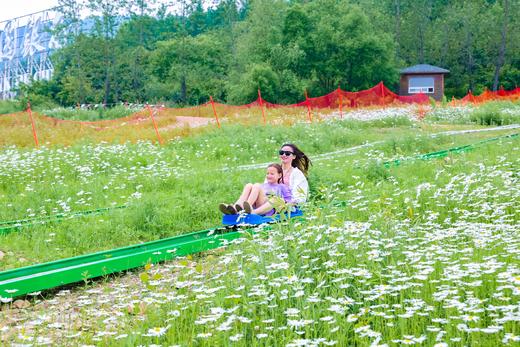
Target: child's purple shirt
{"points": [[277, 189]]}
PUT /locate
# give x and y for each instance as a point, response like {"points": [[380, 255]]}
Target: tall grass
{"points": [[497, 113], [489, 113], [175, 188], [424, 253], [71, 126]]}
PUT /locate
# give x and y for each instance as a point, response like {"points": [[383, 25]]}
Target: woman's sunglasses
{"points": [[286, 153]]}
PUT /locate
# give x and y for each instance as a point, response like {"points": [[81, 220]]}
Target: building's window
{"points": [[421, 85]]}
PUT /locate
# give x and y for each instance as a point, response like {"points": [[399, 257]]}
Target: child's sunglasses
{"points": [[286, 153]]}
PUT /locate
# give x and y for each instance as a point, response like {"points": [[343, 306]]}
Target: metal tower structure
{"points": [[25, 46]]}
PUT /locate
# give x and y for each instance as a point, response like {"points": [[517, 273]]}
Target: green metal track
{"points": [[446, 152], [34, 278], [7, 226]]}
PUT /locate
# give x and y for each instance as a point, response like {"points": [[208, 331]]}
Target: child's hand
{"points": [[278, 203]]}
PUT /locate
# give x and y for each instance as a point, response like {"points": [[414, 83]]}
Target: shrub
{"points": [[9, 106], [376, 172], [97, 113]]}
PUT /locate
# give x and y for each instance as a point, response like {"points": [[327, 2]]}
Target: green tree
{"points": [[190, 69], [106, 16], [466, 45], [134, 53], [256, 35], [337, 45], [71, 72], [502, 12], [75, 69]]}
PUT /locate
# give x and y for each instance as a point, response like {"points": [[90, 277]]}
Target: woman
{"points": [[295, 165]]}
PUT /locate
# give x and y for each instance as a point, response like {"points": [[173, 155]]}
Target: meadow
{"points": [[423, 253]]}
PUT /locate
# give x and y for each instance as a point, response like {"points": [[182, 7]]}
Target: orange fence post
{"points": [[214, 111], [154, 124], [470, 96], [309, 112], [340, 103], [382, 92], [29, 111], [421, 112], [261, 104]]}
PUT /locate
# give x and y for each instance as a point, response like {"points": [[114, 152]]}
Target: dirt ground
{"points": [[191, 122]]}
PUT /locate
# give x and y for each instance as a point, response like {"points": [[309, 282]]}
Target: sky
{"points": [[15, 8], [10, 9]]}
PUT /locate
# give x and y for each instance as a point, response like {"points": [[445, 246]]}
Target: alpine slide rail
{"points": [[30, 279]]}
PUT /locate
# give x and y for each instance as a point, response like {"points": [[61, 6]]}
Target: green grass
{"points": [[8, 106], [386, 255], [175, 188]]}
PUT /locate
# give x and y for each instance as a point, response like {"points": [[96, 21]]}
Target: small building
{"points": [[423, 78]]}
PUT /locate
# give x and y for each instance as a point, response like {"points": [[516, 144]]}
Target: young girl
{"points": [[259, 198]]}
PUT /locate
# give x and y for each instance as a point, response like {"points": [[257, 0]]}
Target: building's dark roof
{"points": [[423, 68]]}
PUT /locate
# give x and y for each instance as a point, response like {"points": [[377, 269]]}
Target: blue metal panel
{"points": [[255, 219]]}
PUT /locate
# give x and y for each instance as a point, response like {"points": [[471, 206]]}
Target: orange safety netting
{"points": [[173, 121], [339, 99], [377, 95], [488, 95]]}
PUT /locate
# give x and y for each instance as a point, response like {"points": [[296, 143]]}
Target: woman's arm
{"points": [[299, 186]]}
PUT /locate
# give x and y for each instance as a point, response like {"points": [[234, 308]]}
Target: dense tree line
{"points": [[128, 52]]}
